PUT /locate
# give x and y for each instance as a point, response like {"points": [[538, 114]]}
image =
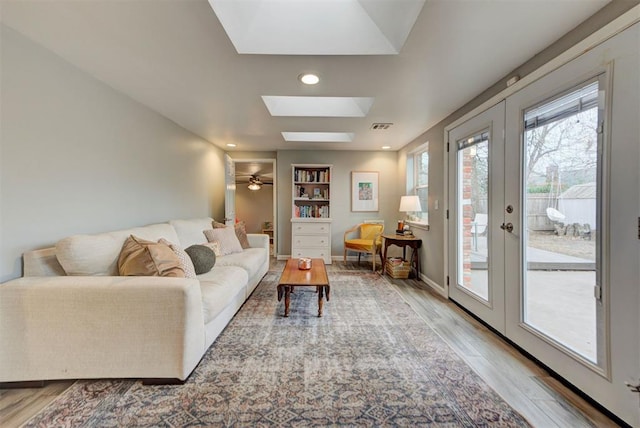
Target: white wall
{"points": [[78, 157], [432, 253], [342, 217]]}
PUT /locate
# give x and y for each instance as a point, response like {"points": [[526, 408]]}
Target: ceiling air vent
{"points": [[381, 126]]}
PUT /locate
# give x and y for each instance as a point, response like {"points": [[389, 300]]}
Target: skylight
{"points": [[318, 106], [318, 27], [319, 137]]}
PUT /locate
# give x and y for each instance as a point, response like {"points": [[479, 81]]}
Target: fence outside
{"points": [[537, 204]]}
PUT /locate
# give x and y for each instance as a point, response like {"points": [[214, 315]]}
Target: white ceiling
{"points": [[175, 57]]}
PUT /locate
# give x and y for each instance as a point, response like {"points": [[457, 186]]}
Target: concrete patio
{"points": [[559, 298]]}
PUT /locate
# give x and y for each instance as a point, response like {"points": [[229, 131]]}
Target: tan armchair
{"points": [[364, 238]]}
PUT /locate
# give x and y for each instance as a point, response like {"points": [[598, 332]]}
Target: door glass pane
{"points": [[561, 205], [473, 192]]}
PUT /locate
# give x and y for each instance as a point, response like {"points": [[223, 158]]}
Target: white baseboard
{"points": [[435, 286]]}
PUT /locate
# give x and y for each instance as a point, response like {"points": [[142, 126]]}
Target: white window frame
{"points": [[412, 180]]}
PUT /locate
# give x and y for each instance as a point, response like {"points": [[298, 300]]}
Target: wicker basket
{"points": [[398, 269]]}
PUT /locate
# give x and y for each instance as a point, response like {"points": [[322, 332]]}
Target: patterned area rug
{"points": [[369, 361]]}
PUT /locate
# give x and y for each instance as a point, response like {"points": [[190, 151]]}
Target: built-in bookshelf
{"points": [[311, 211], [311, 191]]}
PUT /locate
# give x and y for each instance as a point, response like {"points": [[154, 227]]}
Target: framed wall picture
{"points": [[364, 191]]}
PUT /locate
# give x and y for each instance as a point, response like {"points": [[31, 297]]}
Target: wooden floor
{"points": [[528, 388]]}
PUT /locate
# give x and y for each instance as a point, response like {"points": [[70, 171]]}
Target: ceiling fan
{"points": [[255, 183]]}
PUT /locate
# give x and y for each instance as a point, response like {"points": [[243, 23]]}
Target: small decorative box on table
{"points": [[304, 263], [397, 268]]}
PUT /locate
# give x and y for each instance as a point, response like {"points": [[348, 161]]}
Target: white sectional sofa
{"points": [[72, 317]]}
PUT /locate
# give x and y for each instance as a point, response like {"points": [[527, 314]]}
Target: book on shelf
{"points": [[312, 211], [305, 192], [311, 176]]}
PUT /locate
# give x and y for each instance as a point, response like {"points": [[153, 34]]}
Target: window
{"points": [[418, 178], [562, 175]]}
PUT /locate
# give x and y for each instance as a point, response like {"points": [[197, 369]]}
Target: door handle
{"points": [[508, 227], [633, 388]]}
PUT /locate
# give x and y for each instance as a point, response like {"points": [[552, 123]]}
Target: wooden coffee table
{"points": [[294, 277]]}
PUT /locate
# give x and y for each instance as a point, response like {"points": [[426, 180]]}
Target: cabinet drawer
{"points": [[314, 253], [312, 241], [310, 228]]}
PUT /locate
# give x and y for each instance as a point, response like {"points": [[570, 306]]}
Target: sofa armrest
{"points": [[70, 327], [258, 240]]}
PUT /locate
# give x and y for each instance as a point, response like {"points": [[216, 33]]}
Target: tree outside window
{"points": [[418, 178]]}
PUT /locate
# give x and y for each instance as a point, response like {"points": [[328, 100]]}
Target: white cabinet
{"points": [[311, 240], [311, 211]]}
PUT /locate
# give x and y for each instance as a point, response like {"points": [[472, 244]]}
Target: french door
{"points": [[476, 186], [544, 221]]}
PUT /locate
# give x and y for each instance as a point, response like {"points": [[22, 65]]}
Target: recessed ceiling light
{"points": [[309, 79], [230, 145], [386, 147]]}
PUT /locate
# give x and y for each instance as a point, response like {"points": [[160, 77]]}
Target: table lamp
{"points": [[410, 203]]}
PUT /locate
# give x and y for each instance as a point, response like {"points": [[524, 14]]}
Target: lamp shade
{"points": [[409, 204]]}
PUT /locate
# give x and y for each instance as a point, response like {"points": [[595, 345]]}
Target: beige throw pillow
{"points": [[139, 257], [226, 238], [185, 260], [241, 232]]}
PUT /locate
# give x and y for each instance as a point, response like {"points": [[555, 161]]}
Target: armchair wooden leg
{"points": [[344, 256], [373, 261]]}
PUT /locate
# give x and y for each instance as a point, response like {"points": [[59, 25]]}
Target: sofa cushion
{"points": [[140, 257], [190, 231], [250, 260], [98, 254], [42, 263], [185, 260], [219, 287], [226, 237], [203, 258]]}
